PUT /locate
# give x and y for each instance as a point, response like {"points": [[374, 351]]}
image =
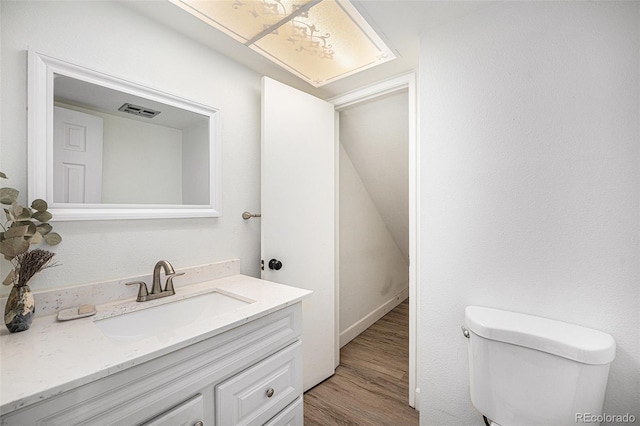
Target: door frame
{"points": [[401, 82]]}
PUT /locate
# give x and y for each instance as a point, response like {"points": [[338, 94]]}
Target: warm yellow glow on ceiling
{"points": [[320, 41]]}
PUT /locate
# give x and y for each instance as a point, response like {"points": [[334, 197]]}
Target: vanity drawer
{"points": [[188, 413], [293, 415], [260, 392]]}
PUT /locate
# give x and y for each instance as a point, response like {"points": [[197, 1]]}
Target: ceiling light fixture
{"points": [[320, 41]]}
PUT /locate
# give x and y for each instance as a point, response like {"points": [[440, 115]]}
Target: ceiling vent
{"points": [[138, 110]]}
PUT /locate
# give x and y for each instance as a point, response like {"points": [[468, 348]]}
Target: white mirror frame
{"points": [[40, 145]]}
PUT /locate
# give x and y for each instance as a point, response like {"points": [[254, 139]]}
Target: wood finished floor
{"points": [[371, 385]]}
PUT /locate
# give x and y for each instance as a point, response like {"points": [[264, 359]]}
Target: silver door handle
{"points": [[247, 215]]}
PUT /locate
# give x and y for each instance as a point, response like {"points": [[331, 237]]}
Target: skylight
{"points": [[320, 41]]}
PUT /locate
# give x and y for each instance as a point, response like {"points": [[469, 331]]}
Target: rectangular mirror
{"points": [[101, 147]]}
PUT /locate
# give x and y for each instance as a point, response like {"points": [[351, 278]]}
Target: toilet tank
{"points": [[527, 370]]}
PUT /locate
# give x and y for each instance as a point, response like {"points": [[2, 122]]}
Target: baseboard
{"points": [[352, 332]]}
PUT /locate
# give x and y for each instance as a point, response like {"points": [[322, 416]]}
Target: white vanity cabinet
{"points": [[257, 394], [190, 412], [247, 375]]}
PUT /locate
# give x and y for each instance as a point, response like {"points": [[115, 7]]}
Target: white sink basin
{"points": [[164, 319]]}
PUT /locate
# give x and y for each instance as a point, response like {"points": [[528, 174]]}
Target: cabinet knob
{"points": [[270, 392], [275, 264], [198, 423]]}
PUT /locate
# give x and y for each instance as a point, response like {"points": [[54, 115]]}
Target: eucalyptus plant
{"points": [[24, 227]]}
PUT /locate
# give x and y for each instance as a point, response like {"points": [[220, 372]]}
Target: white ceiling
{"points": [[79, 93], [398, 22]]}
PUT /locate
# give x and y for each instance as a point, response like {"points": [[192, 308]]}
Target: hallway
{"points": [[371, 385]]}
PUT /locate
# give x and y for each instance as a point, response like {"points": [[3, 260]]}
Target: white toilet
{"points": [[526, 370]]}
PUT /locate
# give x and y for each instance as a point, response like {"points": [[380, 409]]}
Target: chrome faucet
{"points": [[156, 289], [168, 270]]}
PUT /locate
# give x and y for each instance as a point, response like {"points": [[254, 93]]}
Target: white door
{"points": [[77, 157], [298, 213]]}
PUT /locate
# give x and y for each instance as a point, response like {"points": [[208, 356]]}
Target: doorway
{"points": [[377, 210], [373, 211], [288, 114]]}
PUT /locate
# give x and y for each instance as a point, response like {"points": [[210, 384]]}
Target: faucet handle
{"points": [[169, 284], [142, 291]]}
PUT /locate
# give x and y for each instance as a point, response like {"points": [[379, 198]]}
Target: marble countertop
{"points": [[55, 356]]}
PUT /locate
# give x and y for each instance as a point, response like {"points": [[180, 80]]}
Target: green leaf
{"points": [[10, 217], [11, 247], [11, 277], [42, 216], [25, 215], [16, 231], [8, 195], [31, 229], [20, 212], [44, 228], [16, 208], [36, 238], [2, 175], [52, 238], [39, 205], [21, 223]]}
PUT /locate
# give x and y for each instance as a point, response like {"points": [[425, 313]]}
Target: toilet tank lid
{"points": [[570, 341]]}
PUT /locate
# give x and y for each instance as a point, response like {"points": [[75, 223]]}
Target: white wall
{"points": [[375, 134], [112, 38], [530, 184], [373, 269], [195, 164], [146, 169]]}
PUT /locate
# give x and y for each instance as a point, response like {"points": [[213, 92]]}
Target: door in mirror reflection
{"points": [[77, 157]]}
